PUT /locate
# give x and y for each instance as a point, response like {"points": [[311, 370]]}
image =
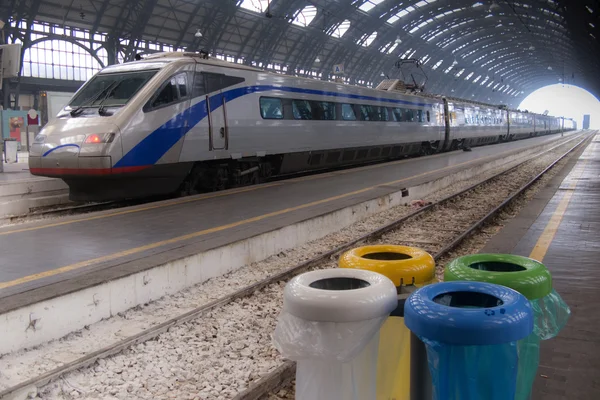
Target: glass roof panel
{"points": [[369, 4], [366, 40], [305, 16], [341, 29]]}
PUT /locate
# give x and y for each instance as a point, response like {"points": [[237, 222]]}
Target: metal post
{"points": [[420, 378]]}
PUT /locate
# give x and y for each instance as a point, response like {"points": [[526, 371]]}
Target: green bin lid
{"points": [[525, 275]]}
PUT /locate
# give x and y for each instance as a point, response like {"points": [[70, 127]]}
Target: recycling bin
{"points": [[330, 325], [408, 268], [10, 150], [533, 280], [470, 330]]}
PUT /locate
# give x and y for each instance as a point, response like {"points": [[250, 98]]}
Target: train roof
{"points": [[159, 60]]}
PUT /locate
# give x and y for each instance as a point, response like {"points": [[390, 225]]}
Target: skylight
{"points": [[366, 40], [392, 47], [305, 16], [341, 29], [477, 79], [369, 4], [255, 5]]}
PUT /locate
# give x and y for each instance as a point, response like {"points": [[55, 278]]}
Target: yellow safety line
{"points": [[109, 257], [545, 240]]}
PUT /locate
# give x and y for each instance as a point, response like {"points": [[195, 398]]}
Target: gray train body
{"points": [[179, 122]]}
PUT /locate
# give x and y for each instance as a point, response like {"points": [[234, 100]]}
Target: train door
{"points": [[218, 133], [446, 125]]}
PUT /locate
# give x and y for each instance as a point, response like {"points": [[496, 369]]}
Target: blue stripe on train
{"points": [[150, 149]]}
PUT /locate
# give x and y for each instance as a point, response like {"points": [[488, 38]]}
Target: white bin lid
{"points": [[340, 295]]}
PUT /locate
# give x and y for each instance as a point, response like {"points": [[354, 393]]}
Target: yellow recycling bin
{"points": [[406, 267]]}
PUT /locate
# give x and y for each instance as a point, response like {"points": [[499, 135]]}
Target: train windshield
{"points": [[111, 90]]}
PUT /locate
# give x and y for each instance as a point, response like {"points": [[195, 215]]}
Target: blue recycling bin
{"points": [[470, 330]]}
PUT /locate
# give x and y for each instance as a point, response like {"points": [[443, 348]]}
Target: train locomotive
{"points": [[184, 123]]}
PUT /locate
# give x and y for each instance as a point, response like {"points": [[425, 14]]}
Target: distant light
{"points": [[317, 60], [549, 68], [478, 4], [398, 40], [382, 74], [531, 48], [198, 33]]}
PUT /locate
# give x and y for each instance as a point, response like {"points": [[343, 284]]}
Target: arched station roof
{"points": [[493, 51]]}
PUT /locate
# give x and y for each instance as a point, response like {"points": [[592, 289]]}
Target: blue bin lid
{"points": [[469, 313]]}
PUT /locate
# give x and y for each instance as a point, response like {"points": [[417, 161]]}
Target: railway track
{"points": [[417, 228]]}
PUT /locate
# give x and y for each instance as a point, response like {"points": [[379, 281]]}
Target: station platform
{"points": [[561, 228], [21, 192], [44, 259]]}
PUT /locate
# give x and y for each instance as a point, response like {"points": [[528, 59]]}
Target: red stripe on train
{"points": [[86, 171]]}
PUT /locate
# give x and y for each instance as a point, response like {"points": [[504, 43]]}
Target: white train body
{"points": [[180, 122]]}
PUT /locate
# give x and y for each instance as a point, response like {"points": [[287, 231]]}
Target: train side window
{"points": [[397, 113], [428, 116], [420, 115], [302, 109], [199, 87], [322, 110], [215, 82], [409, 115], [365, 113], [271, 108], [383, 113], [348, 112]]}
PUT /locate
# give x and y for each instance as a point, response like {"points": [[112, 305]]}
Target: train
{"points": [[185, 123]]}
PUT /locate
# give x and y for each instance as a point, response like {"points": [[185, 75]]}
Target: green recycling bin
{"points": [[533, 280]]}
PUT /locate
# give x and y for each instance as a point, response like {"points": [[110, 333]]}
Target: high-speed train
{"points": [[185, 123]]}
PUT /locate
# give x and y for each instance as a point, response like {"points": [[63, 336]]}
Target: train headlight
{"points": [[95, 138]]}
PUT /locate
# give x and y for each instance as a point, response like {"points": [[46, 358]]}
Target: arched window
{"points": [[59, 59]]}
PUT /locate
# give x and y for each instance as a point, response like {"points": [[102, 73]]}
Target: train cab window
{"points": [[302, 109], [181, 81], [428, 117], [271, 108], [348, 112], [397, 114], [170, 93]]}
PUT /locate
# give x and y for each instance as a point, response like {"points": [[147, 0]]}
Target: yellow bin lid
{"points": [[402, 264]]}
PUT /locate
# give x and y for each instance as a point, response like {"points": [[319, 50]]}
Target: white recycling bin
{"points": [[330, 326], [10, 151]]}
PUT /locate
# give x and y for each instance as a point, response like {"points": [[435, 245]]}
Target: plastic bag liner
{"points": [[551, 314], [335, 360], [472, 372]]}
